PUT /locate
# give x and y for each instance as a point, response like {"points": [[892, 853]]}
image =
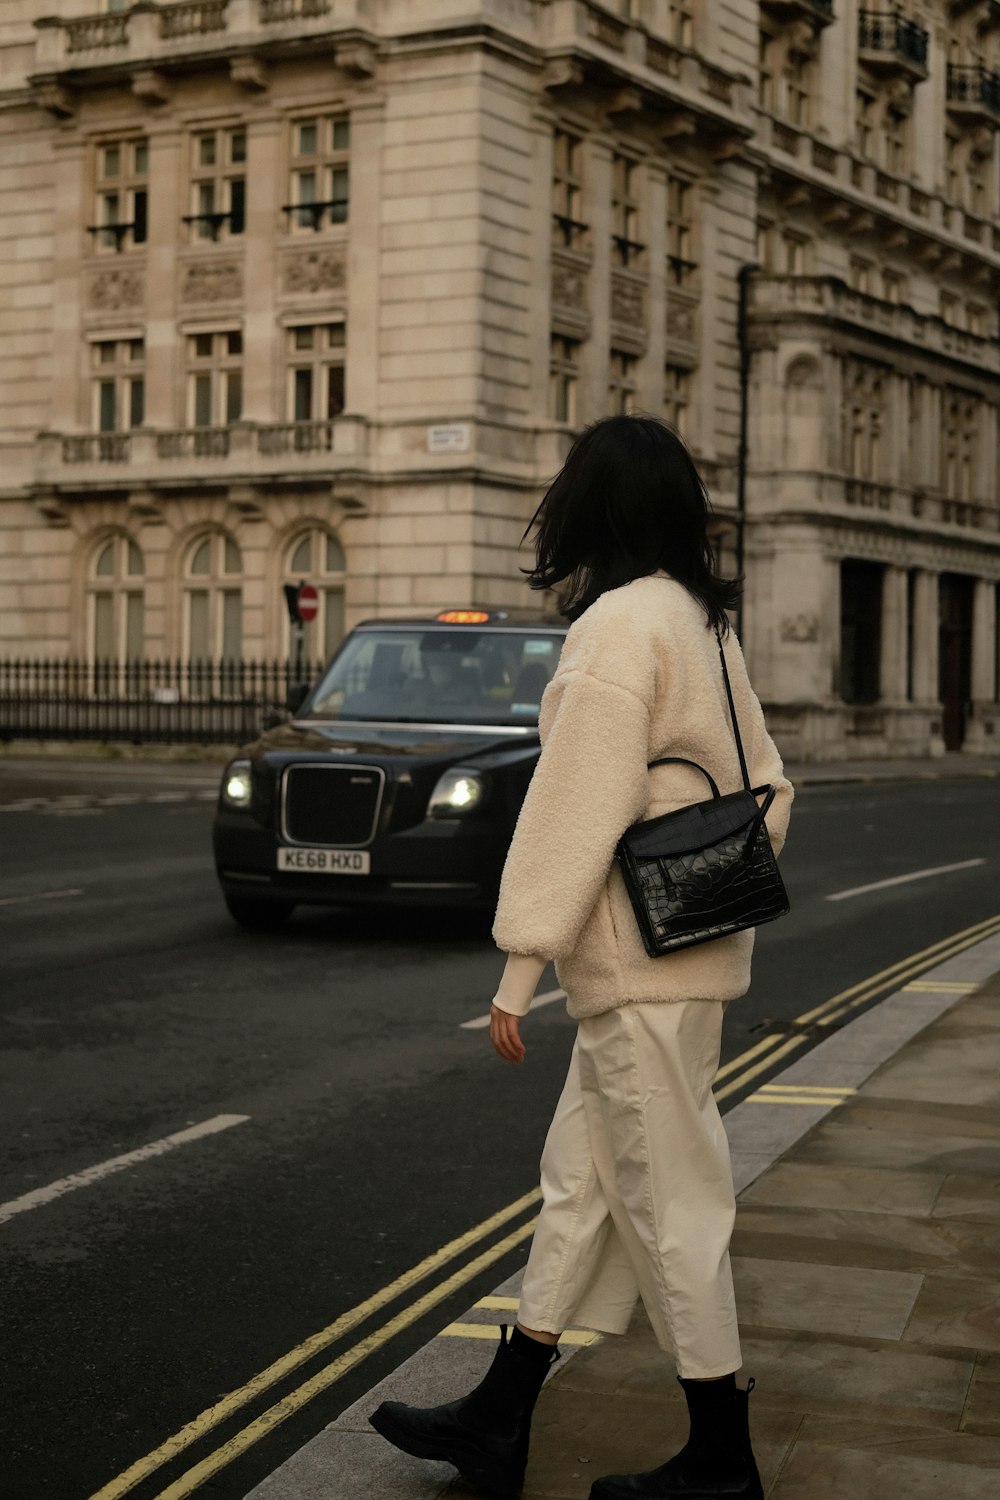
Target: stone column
{"points": [[71, 373], [984, 642], [650, 391], [892, 666], [165, 406], [364, 259], [266, 188], [595, 353], [926, 689]]}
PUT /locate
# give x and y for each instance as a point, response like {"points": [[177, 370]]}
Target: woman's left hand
{"points": [[505, 1036]]}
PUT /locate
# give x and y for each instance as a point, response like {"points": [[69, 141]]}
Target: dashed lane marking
{"points": [[882, 885], [481, 1022], [63, 1185], [40, 896]]}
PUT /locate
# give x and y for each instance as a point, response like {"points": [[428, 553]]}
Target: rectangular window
{"points": [[232, 624], [621, 382], [897, 126], [104, 627], [215, 378], [119, 390], [567, 188], [625, 244], [795, 88], [680, 232], [682, 23], [198, 624], [121, 189], [861, 275], [134, 627], [676, 397], [864, 124], [316, 371], [564, 373], [218, 184], [319, 186], [794, 254], [860, 631]]}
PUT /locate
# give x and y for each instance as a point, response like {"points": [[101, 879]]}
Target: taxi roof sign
{"points": [[463, 617]]}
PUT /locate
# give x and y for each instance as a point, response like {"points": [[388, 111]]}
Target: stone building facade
{"points": [[322, 288]]}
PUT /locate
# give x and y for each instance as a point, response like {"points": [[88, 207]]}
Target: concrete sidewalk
{"points": [[867, 1267]]}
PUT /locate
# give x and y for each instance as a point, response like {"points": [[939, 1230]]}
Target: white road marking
{"points": [[880, 885], [117, 1164], [481, 1022], [40, 896]]}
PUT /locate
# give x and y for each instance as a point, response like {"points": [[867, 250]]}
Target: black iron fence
{"points": [[169, 702]]}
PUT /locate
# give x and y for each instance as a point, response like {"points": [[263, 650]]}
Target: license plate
{"points": [[326, 861]]}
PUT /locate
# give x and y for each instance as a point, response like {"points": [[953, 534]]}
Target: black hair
{"points": [[628, 502]]}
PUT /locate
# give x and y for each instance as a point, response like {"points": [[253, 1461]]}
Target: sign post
{"points": [[307, 608]]}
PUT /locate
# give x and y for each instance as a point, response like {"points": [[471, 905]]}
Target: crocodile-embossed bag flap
{"points": [[706, 870]]}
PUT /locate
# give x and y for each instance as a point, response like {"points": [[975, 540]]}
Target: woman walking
{"points": [[636, 1183]]}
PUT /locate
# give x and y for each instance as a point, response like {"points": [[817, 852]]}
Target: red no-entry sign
{"points": [[308, 602]]}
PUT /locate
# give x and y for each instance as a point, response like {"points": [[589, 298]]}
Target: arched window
{"points": [[115, 601], [317, 557], [213, 589]]}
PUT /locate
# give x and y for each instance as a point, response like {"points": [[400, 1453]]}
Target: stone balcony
{"points": [[641, 72], [247, 453], [170, 36], [828, 298]]}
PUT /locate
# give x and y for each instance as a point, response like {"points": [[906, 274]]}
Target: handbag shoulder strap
{"points": [[732, 711]]}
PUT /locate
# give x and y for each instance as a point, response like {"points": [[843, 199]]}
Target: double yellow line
{"points": [[763, 1056], [741, 1071]]}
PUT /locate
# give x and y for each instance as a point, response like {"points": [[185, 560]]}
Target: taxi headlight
{"points": [[457, 792], [236, 784]]}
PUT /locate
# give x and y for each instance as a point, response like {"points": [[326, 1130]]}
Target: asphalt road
{"points": [[376, 1129]]}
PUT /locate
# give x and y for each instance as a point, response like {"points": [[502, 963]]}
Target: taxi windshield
{"points": [[442, 675]]}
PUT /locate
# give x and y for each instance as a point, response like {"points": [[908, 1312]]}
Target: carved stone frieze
{"points": [[680, 322], [114, 289], [569, 287], [802, 629], [627, 302], [212, 281], [315, 271]]}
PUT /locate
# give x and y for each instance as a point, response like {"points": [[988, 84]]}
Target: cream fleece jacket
{"points": [[639, 677]]}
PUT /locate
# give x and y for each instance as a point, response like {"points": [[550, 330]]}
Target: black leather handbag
{"points": [[706, 870]]}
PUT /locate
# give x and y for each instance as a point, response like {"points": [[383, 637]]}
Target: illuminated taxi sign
{"points": [[463, 617]]}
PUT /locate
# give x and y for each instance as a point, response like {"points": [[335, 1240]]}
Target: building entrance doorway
{"points": [[955, 684]]}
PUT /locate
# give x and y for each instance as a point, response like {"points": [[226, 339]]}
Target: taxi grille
{"points": [[331, 805]]}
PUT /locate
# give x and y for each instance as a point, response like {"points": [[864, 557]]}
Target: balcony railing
{"points": [[154, 34], [272, 11], [888, 38], [94, 33], [98, 447], [296, 437], [975, 91], [193, 18], [251, 450]]}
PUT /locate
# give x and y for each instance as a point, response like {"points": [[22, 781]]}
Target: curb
{"points": [[348, 1457]]}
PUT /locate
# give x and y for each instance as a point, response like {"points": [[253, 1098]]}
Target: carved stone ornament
{"points": [[801, 629], [680, 322], [114, 289], [569, 288], [212, 281], [316, 271], [627, 304]]}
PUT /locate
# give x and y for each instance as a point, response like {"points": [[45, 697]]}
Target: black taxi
{"points": [[398, 778]]}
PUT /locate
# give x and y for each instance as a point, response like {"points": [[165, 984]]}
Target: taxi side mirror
{"points": [[296, 696]]}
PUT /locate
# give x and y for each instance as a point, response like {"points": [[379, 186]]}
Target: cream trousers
{"points": [[637, 1188]]}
